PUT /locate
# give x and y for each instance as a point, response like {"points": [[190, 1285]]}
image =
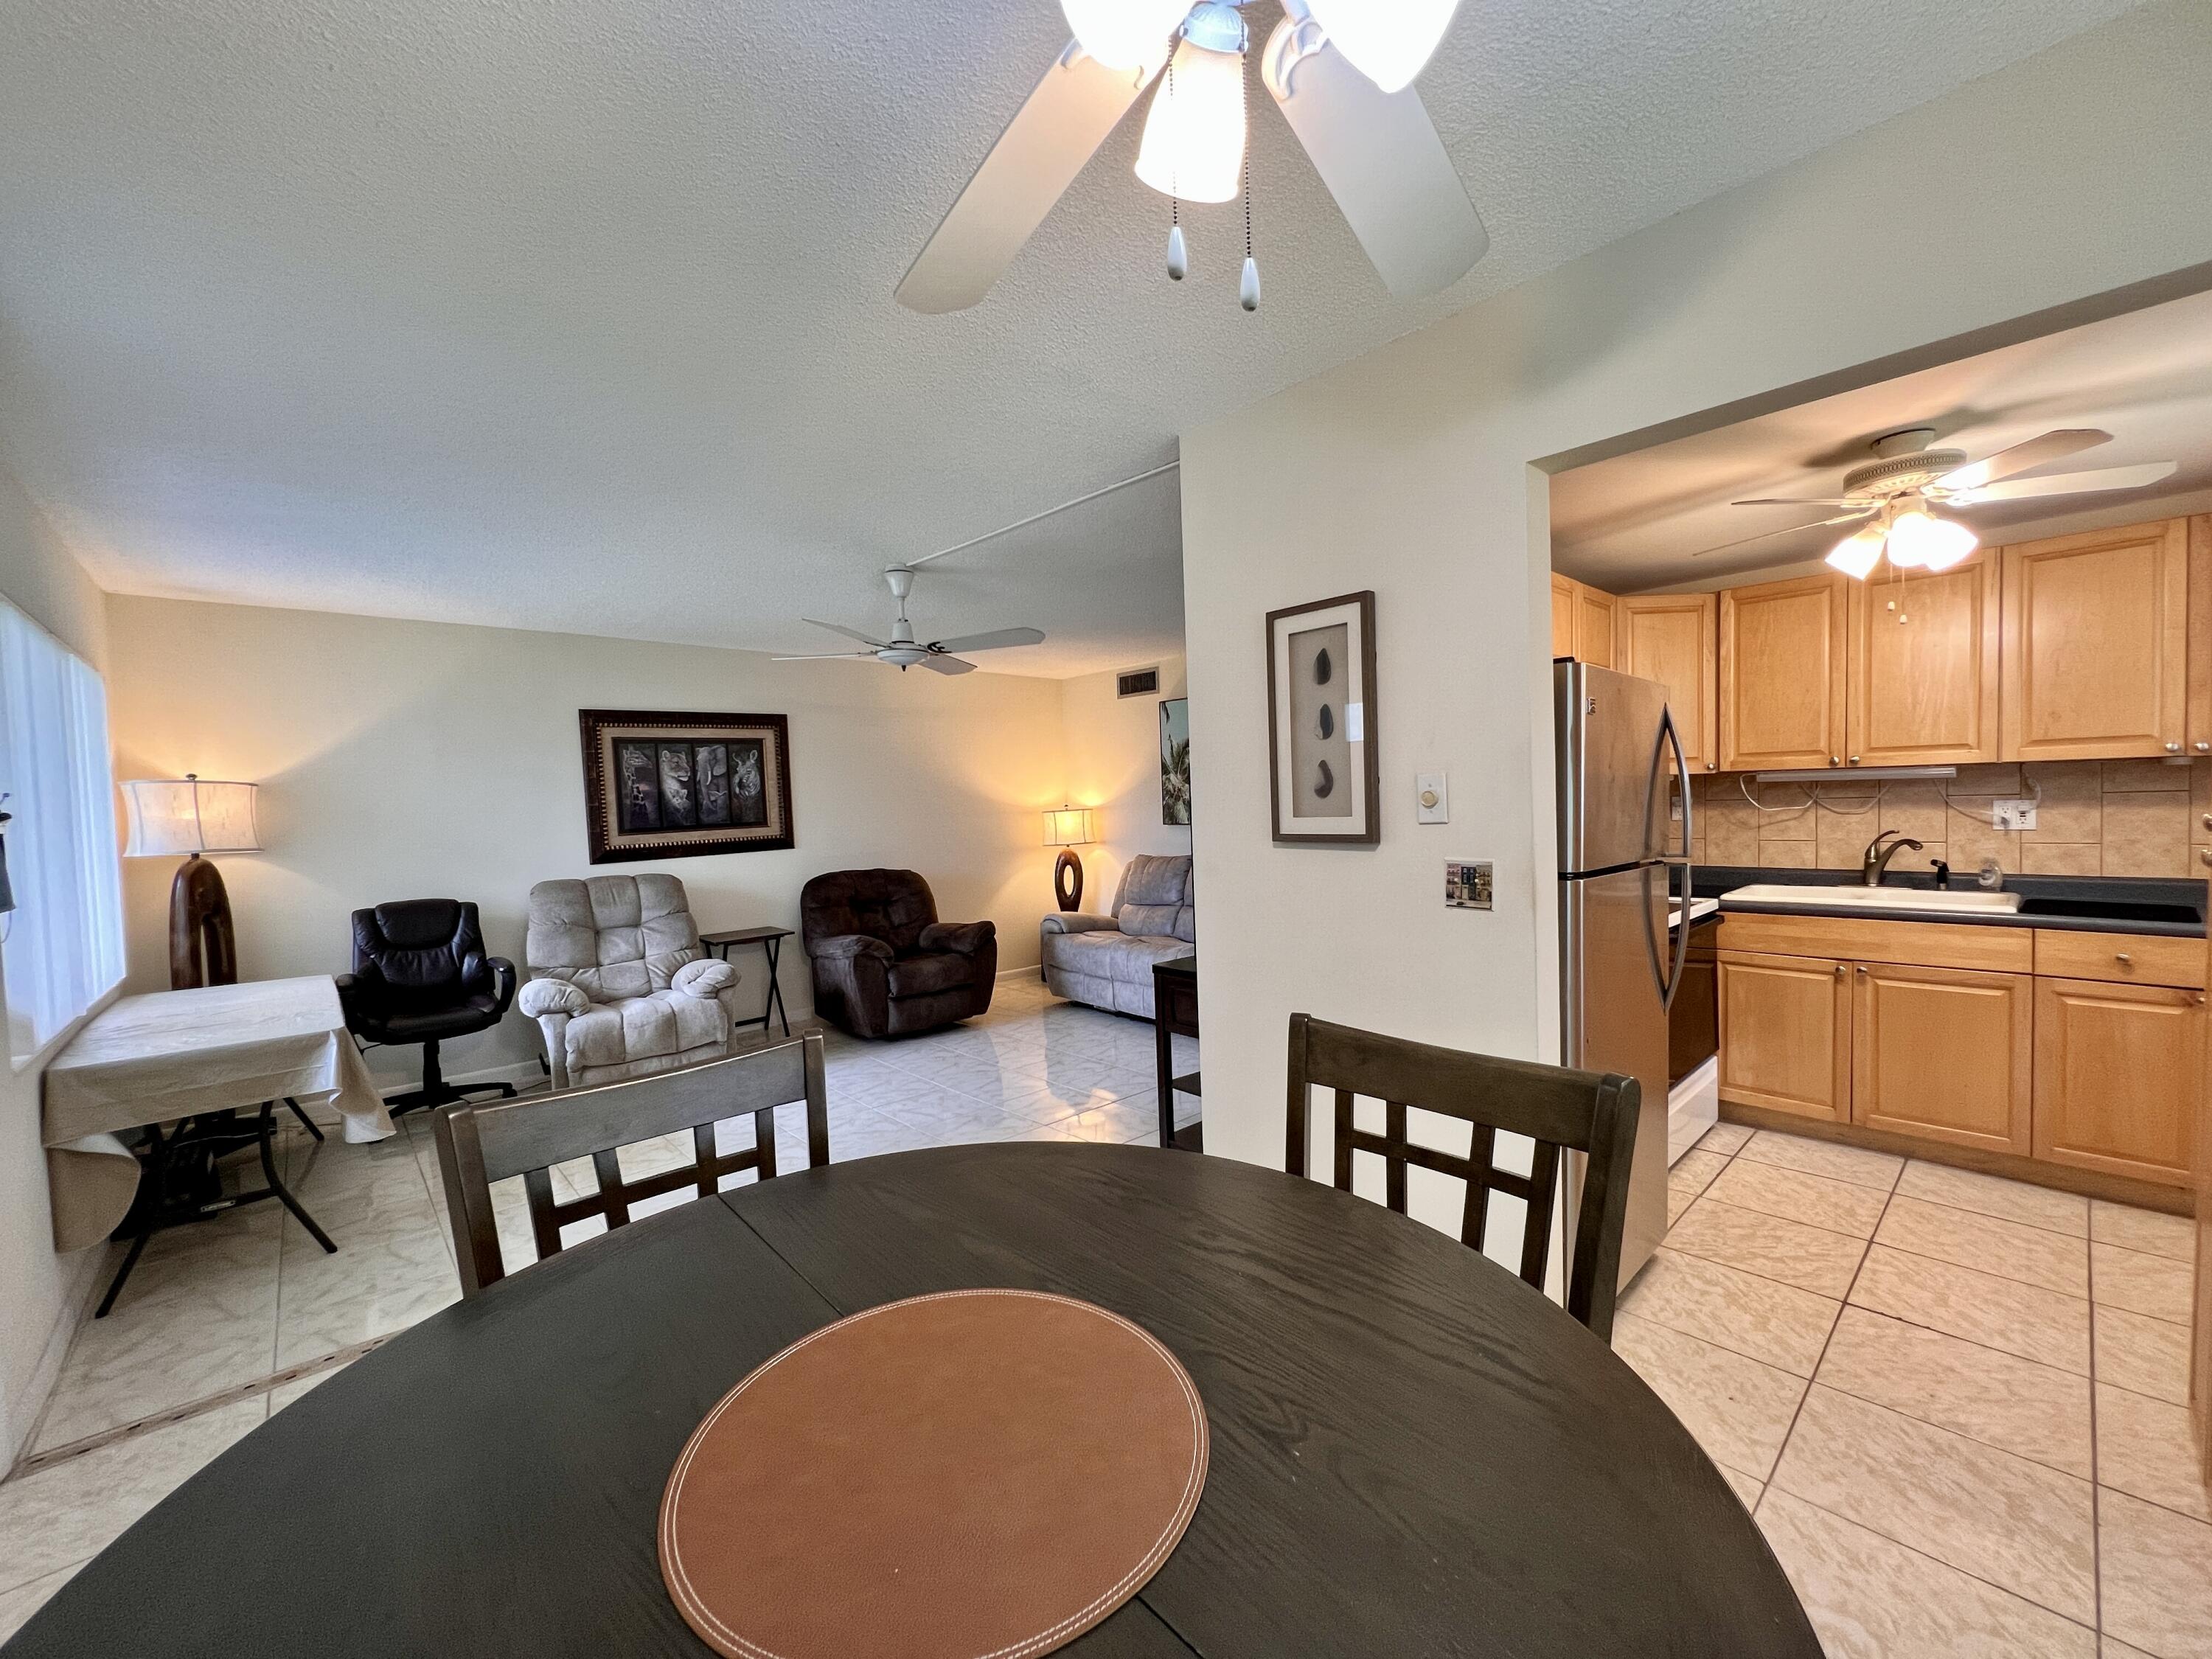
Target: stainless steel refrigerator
{"points": [[1624, 833]]}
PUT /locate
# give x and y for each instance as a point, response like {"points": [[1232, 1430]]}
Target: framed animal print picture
{"points": [[672, 785], [1323, 755]]}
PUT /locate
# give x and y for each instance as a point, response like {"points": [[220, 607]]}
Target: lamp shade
{"points": [[1193, 142], [1068, 826], [1388, 41], [1125, 34], [172, 815]]}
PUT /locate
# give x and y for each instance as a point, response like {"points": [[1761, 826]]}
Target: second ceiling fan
{"points": [[1341, 70]]}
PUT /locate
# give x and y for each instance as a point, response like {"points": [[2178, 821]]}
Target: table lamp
{"points": [[1068, 827], [188, 815]]}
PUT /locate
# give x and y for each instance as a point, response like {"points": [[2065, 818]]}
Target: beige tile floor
{"points": [[230, 1304], [1956, 1405]]}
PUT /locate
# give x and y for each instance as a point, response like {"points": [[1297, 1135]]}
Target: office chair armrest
{"points": [[492, 974], [543, 997], [704, 979]]}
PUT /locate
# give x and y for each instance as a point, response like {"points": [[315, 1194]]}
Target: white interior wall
{"points": [[40, 1291], [1114, 765], [409, 760], [1411, 472]]}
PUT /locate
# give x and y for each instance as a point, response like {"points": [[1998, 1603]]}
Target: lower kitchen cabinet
{"points": [[1786, 1034], [1944, 1054], [2115, 1077]]}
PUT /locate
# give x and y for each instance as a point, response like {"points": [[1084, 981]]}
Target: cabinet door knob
{"points": [[1854, 760], [1839, 971], [1835, 760], [1863, 969], [2122, 958], [2203, 747], [2173, 749]]}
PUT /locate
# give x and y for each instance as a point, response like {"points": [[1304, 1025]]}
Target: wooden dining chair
{"points": [[480, 1145], [1560, 1110]]}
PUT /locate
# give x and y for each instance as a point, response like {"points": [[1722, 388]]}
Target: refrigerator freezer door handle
{"points": [[1671, 981]]}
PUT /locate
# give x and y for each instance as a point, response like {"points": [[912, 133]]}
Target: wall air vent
{"points": [[1138, 683]]}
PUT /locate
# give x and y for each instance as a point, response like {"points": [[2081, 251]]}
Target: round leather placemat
{"points": [[983, 1475]]}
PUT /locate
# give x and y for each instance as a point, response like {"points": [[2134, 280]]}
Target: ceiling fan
{"points": [[902, 651], [1890, 496], [1341, 70]]}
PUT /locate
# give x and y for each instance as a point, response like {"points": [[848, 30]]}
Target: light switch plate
{"points": [[1466, 885], [1432, 798], [2012, 815]]}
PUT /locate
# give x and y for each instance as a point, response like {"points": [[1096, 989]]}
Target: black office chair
{"points": [[420, 974]]}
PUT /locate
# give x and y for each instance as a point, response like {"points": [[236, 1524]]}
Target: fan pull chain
{"points": [[1178, 250], [1248, 292]]}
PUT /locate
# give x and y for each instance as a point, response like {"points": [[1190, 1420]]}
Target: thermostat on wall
{"points": [[1467, 886]]}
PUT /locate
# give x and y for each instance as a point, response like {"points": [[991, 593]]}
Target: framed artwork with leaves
{"points": [[1322, 756]]}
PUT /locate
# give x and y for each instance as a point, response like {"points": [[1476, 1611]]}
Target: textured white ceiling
{"points": [[1639, 521], [576, 314]]}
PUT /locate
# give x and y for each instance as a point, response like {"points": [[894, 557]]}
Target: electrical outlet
{"points": [[2012, 815]]}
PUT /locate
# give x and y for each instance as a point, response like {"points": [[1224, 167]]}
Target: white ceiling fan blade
{"points": [[826, 656], [1769, 535], [947, 664], [2067, 483], [850, 634], [2051, 446], [1060, 128], [1799, 500], [1379, 154], [992, 642]]}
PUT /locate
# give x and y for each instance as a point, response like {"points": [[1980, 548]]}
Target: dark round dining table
{"points": [[1413, 1452]]}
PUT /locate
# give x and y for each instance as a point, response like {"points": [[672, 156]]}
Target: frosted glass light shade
{"points": [[1194, 143], [1919, 540], [1125, 34], [1856, 554], [1388, 41], [1068, 826], [170, 816]]}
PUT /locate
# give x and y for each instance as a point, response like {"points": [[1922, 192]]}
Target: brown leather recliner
{"points": [[884, 964]]}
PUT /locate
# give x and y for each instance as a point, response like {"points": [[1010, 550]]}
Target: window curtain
{"points": [[63, 946]]}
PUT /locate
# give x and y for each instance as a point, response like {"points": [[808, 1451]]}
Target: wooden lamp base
{"points": [[202, 948], [1068, 879]]}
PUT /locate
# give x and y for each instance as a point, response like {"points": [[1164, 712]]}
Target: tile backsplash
{"points": [[2131, 817]]}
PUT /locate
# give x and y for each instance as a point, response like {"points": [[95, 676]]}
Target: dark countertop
{"points": [[2088, 904]]}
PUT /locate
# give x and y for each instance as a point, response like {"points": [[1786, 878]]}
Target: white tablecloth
{"points": [[173, 1053]]}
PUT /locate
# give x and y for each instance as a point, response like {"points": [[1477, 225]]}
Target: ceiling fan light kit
{"points": [[1891, 496], [1348, 99]]}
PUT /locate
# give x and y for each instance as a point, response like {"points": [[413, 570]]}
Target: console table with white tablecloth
{"points": [[171, 1056]]}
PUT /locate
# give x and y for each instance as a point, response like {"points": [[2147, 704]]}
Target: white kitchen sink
{"points": [[1883, 898]]}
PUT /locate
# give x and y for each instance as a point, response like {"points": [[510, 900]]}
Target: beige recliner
{"points": [[619, 983]]}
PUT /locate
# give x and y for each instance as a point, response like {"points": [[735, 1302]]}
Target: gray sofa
{"points": [[619, 984], [1107, 960]]}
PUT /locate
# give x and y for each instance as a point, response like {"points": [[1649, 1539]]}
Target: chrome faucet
{"points": [[1876, 863]]}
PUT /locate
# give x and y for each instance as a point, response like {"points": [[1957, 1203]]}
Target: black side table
{"points": [[770, 940], [1175, 1013]]}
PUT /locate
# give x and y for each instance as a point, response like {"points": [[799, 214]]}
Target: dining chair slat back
{"points": [[497, 1140], [1560, 1110]]}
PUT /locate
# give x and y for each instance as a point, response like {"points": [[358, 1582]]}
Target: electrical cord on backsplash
{"points": [[1743, 782]]}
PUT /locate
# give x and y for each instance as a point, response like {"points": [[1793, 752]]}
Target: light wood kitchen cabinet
{"points": [[2117, 1076], [1923, 673], [2199, 735], [1582, 622], [2096, 644], [1783, 650], [1675, 639], [1786, 1034], [1942, 1053]]}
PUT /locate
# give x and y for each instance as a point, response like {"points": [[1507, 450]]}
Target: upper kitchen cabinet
{"points": [[1582, 622], [2096, 644], [1925, 672], [1675, 639], [1783, 650], [2200, 635]]}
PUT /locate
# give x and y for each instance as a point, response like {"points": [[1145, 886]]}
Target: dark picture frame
{"points": [[664, 785], [1324, 758]]}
